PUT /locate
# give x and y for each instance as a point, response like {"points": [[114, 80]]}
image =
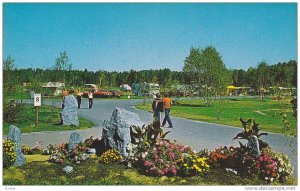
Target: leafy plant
{"points": [[251, 130], [147, 133]]}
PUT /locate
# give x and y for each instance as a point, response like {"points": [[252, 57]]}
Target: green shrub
{"points": [[12, 111]]}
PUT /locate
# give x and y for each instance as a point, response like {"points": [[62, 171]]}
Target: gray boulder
{"points": [[116, 131], [75, 138], [14, 134], [69, 113]]}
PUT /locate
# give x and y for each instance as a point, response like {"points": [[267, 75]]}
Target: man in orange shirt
{"points": [[167, 106]]}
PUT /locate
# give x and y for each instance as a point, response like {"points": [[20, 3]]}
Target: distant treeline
{"points": [[281, 74]]}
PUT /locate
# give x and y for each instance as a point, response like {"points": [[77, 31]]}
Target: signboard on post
{"points": [[37, 100]]}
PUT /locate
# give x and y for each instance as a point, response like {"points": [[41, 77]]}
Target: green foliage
{"points": [[47, 118], [209, 71], [276, 75], [12, 111]]}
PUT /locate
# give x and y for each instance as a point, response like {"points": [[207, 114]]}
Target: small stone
{"points": [[67, 169]]}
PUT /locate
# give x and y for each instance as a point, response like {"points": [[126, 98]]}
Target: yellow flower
{"points": [[184, 164]]}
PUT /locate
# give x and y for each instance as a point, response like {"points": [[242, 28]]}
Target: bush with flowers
{"points": [[48, 150], [9, 155], [110, 156], [60, 153], [284, 165], [219, 157], [162, 159], [193, 164], [267, 167]]}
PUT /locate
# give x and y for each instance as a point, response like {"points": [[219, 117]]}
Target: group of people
{"points": [[158, 105], [162, 105], [79, 95]]}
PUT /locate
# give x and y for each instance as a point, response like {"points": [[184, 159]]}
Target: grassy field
{"points": [[266, 113], [38, 171], [47, 118]]}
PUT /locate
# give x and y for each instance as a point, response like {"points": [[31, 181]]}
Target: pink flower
{"points": [[172, 155], [147, 163], [167, 165], [160, 172], [174, 171]]}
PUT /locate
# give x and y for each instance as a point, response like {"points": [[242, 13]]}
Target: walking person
{"points": [[157, 107], [78, 97], [167, 106], [90, 95]]}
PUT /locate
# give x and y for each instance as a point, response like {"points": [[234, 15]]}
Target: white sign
{"points": [[37, 100]]}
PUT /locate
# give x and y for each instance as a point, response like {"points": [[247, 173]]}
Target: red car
{"points": [[99, 94], [116, 93]]}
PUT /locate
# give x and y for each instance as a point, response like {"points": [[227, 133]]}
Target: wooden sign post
{"points": [[37, 103]]}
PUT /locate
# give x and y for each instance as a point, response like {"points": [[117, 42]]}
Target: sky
{"points": [[139, 36]]}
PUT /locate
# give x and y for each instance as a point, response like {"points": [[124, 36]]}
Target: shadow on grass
{"points": [[175, 103]]}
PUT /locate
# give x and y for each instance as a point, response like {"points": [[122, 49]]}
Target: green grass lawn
{"points": [[266, 113], [47, 118], [38, 171]]}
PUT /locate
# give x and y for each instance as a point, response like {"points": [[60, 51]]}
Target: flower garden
{"points": [[153, 156]]}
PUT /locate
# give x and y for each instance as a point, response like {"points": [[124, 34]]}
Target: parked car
{"points": [[116, 93], [99, 94]]}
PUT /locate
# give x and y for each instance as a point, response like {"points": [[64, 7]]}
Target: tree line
{"points": [[202, 67]]}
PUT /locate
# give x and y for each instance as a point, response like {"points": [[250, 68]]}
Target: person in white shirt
{"points": [[90, 95]]}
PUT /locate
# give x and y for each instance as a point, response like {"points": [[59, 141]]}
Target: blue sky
{"points": [[139, 36]]}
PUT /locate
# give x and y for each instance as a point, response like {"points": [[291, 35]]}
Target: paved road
{"points": [[196, 134]]}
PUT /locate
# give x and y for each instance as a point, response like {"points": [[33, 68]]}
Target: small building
{"points": [[52, 88], [125, 88], [90, 86]]}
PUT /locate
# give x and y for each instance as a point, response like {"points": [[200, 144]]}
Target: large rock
{"points": [[116, 131], [69, 113], [75, 139], [14, 134]]}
